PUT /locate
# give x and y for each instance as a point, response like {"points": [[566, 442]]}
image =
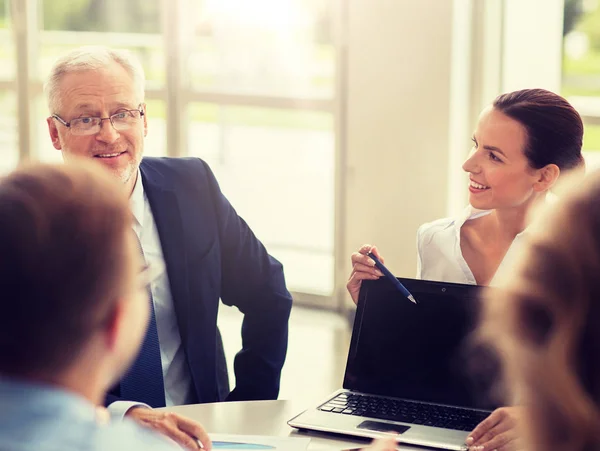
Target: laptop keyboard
{"points": [[405, 411]]}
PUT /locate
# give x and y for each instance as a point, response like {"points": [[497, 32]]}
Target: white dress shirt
{"points": [[439, 255], [176, 374]]}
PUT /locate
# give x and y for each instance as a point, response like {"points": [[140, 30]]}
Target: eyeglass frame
{"points": [[139, 109]]}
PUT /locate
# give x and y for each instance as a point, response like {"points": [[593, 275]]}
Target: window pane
{"points": [[277, 169], [581, 55], [7, 48], [591, 142], [8, 106], [131, 16], [581, 70], [275, 47], [8, 131], [155, 144], [275, 165], [131, 24]]}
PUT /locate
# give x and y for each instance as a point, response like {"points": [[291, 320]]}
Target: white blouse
{"points": [[439, 255]]}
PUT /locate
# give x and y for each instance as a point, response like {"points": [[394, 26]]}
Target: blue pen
{"points": [[386, 272]]}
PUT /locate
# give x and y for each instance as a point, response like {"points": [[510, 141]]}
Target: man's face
{"points": [[100, 93]]}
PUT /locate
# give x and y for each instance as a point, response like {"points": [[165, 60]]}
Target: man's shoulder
{"points": [[185, 173], [172, 165]]}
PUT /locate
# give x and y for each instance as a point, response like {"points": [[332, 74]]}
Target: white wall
{"points": [[396, 124]]}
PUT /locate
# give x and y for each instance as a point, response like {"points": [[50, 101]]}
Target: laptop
{"points": [[413, 371]]}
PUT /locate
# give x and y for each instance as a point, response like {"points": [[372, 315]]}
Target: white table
{"points": [[264, 418]]}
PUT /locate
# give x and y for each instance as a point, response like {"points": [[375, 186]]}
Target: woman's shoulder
{"points": [[446, 227], [428, 231]]}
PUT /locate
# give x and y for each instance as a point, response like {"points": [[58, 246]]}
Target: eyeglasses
{"points": [[122, 120]]}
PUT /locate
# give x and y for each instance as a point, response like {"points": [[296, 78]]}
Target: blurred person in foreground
{"points": [[74, 310], [187, 226], [545, 325]]}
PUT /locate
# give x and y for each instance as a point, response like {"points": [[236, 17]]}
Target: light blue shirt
{"points": [[176, 374], [36, 417]]}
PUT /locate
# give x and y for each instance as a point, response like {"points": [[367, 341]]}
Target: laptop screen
{"points": [[420, 352]]}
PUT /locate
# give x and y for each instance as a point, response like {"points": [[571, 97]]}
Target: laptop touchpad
{"points": [[383, 427]]}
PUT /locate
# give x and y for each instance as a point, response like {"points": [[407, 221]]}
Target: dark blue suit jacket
{"points": [[211, 253]]}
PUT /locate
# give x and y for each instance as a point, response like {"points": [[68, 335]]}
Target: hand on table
{"points": [[363, 268], [178, 428], [498, 432]]}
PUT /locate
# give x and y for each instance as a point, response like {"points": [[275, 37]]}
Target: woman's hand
{"points": [[498, 431], [363, 268]]}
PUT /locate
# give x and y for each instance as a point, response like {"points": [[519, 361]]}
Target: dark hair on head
{"points": [[554, 128], [63, 263]]}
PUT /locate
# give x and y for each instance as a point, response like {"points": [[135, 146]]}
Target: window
{"points": [[581, 69], [262, 80], [247, 86], [8, 131], [276, 166], [8, 99]]}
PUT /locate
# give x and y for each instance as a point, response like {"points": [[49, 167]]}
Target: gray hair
{"points": [[91, 58]]}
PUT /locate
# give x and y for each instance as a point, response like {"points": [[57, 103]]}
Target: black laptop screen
{"points": [[420, 352]]}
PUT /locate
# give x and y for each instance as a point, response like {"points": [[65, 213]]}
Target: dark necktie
{"points": [[144, 380]]}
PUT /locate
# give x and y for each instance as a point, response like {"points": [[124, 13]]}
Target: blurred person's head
{"points": [[545, 324], [97, 82], [522, 143], [74, 310]]}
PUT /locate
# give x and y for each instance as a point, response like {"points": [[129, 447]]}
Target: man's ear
{"points": [[547, 177], [113, 327], [53, 133]]}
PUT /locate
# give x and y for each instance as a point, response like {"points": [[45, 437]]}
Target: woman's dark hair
{"points": [[554, 128]]}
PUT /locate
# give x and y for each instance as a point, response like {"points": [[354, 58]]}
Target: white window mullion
{"points": [[177, 118]]}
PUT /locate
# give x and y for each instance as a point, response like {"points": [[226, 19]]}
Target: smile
{"points": [[476, 185], [109, 155]]}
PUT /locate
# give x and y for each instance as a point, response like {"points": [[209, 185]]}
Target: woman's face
{"points": [[499, 173]]}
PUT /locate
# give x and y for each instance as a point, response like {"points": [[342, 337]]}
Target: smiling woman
{"points": [[522, 143]]}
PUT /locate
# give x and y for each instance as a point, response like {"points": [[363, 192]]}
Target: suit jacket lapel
{"points": [[167, 215]]}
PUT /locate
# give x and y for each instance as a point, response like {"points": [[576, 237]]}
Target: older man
{"points": [[74, 311], [96, 100]]}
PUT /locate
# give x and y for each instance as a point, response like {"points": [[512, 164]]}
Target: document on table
{"points": [[233, 442]]}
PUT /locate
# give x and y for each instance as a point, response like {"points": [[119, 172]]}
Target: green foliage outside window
{"points": [[581, 57], [125, 16]]}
